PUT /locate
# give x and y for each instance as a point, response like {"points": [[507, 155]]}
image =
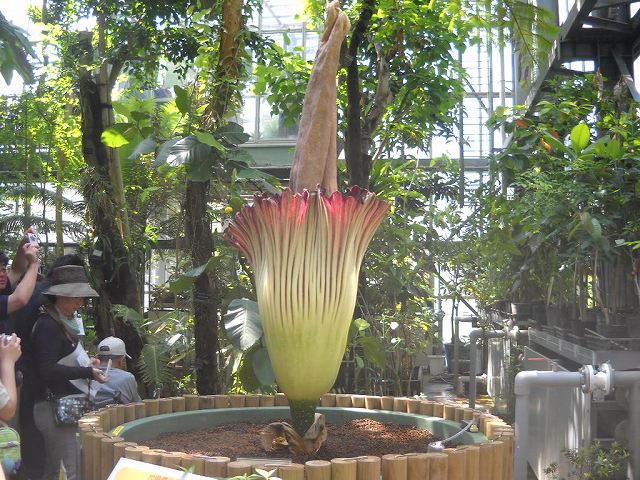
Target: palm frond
{"points": [[10, 224], [17, 191]]}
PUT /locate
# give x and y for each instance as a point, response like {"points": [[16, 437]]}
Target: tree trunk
{"points": [[206, 290], [113, 267]]}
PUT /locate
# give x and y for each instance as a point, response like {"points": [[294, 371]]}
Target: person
{"points": [[62, 366], [121, 386], [12, 300], [9, 354], [32, 442]]}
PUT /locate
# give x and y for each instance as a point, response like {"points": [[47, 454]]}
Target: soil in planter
{"points": [[358, 437]]}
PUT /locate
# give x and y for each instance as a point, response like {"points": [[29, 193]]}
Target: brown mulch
{"points": [[356, 438]]}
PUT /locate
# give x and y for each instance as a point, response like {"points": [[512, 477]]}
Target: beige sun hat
{"points": [[70, 281]]}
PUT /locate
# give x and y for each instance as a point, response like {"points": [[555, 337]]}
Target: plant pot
{"points": [[521, 309], [436, 364], [103, 444]]}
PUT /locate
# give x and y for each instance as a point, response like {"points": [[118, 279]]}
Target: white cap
{"points": [[112, 346]]}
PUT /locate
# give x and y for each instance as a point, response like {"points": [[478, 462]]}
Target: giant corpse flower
{"points": [[306, 246]]}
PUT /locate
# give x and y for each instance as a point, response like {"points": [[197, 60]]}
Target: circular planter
{"points": [[114, 432]]}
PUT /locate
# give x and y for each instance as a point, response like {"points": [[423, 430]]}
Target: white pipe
{"points": [[527, 380], [522, 388], [474, 336]]}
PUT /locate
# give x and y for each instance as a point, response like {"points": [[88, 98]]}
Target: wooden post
{"points": [[426, 407], [207, 402], [179, 404], [344, 469], [171, 460], [91, 455], [372, 402], [129, 412], [438, 409], [357, 401], [105, 419], [281, 400], [191, 402], [509, 444], [394, 467], [438, 466], [153, 456], [343, 400], [221, 401], [413, 405], [141, 409], [135, 453], [293, 471], [449, 412], [487, 453], [119, 448], [106, 454], [417, 466], [252, 401], [369, 468], [459, 414], [165, 405], [195, 461], [237, 401], [473, 461], [386, 403], [238, 467], [457, 464], [399, 404], [468, 414], [267, 400], [319, 470], [499, 449], [152, 407], [216, 466]]}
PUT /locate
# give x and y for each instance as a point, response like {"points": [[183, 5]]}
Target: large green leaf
{"points": [[208, 139], [373, 350], [115, 136], [580, 137], [262, 367], [185, 281], [242, 323], [233, 133], [182, 99], [148, 145]]}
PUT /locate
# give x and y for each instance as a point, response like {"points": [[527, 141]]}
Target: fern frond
{"points": [[153, 365]]}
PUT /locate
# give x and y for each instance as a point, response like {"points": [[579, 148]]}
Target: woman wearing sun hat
{"points": [[63, 366]]}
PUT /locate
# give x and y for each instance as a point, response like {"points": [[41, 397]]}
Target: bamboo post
{"points": [[426, 407], [319, 470], [449, 412], [368, 468], [170, 460], [237, 401], [141, 410], [438, 466], [221, 401], [238, 467], [344, 469], [438, 409], [357, 401], [165, 405], [328, 400], [252, 401], [281, 400], [399, 404], [135, 453], [386, 403], [106, 454], [372, 402], [413, 405], [191, 402], [417, 466], [394, 467], [216, 466], [267, 400], [179, 404], [457, 464], [151, 406], [129, 413], [343, 400], [293, 471]]}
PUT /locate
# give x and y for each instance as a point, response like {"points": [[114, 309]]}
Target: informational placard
{"points": [[127, 469]]}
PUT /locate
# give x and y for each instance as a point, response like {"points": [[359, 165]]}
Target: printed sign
{"points": [[127, 469]]}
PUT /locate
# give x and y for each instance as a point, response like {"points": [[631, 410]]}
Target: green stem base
{"points": [[302, 414]]}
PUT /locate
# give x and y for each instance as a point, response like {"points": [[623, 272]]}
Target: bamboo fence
{"points": [[492, 460]]}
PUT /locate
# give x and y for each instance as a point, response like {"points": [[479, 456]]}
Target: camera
{"points": [[5, 338], [33, 239]]}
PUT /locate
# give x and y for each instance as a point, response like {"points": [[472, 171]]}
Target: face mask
{"points": [[71, 323]]}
